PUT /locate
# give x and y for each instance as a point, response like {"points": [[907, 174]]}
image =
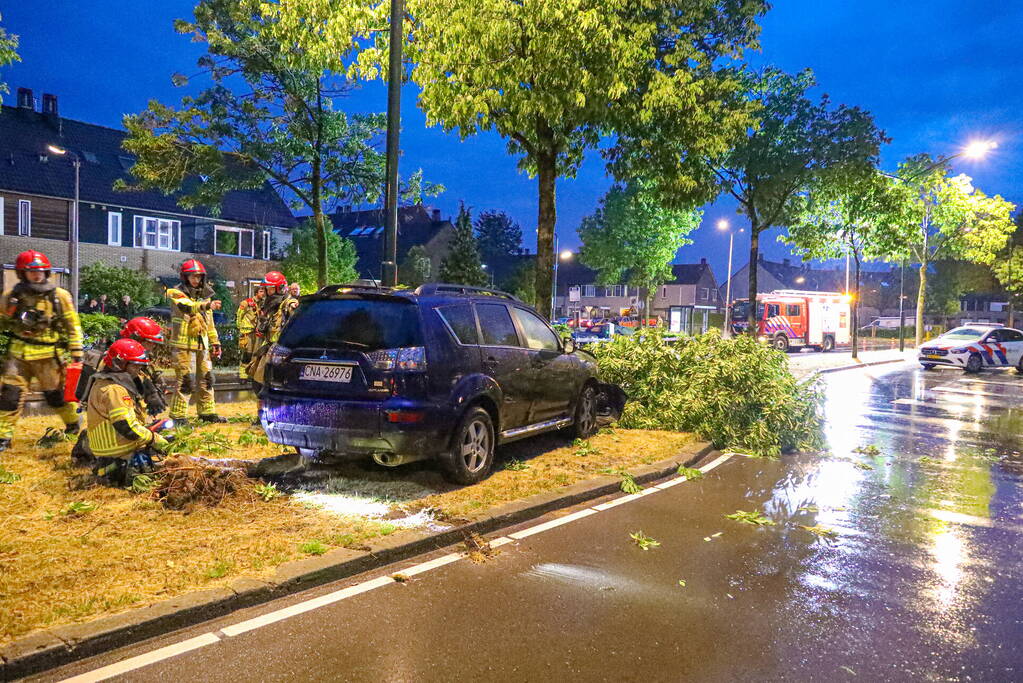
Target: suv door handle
{"points": [[490, 363]]}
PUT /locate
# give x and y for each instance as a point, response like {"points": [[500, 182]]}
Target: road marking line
{"points": [[552, 524], [303, 607], [957, 517], [671, 482], [498, 542], [616, 502], [720, 460], [431, 564], [146, 659]]}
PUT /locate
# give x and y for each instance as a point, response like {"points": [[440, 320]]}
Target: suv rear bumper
{"points": [[356, 428]]}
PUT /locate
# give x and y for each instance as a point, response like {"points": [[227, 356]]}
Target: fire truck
{"points": [[793, 319]]}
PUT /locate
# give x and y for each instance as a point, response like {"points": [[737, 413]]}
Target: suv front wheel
{"points": [[471, 455], [585, 423]]}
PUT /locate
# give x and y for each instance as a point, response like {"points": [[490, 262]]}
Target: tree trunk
{"points": [[754, 260], [547, 217], [855, 312], [321, 227], [1011, 319], [921, 299]]}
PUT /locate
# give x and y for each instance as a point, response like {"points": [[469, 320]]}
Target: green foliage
{"points": [[629, 484], [8, 54], [869, 449], [498, 235], [223, 294], [462, 264], [736, 392], [313, 548], [584, 448], [8, 477], [800, 147], [754, 518], [78, 508], [301, 263], [643, 541], [99, 326], [821, 532], [515, 465], [219, 570], [267, 491], [417, 267], [690, 473], [250, 439], [951, 280], [115, 281], [142, 483], [522, 282], [633, 238]]}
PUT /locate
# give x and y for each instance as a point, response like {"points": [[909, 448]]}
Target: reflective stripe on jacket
{"points": [[46, 341], [109, 402], [245, 318], [192, 325]]}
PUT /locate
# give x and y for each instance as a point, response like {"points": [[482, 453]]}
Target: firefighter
{"points": [[274, 311], [41, 319], [246, 317], [195, 343], [117, 435]]}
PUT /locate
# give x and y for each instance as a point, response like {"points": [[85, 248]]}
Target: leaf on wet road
{"points": [[848, 670], [926, 459], [682, 582], [754, 518], [808, 508], [689, 473], [863, 466], [867, 450], [644, 541], [821, 531]]}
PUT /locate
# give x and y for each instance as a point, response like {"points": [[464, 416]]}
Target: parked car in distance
{"points": [[975, 347], [445, 372]]}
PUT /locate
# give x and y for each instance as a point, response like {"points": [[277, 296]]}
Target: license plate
{"points": [[933, 356], [327, 373]]}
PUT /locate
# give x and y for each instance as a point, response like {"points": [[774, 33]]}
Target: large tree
{"points": [[632, 238], [416, 268], [551, 76], [1008, 268], [951, 219], [499, 236], [266, 115], [859, 214], [302, 261], [799, 146], [462, 264], [8, 54]]}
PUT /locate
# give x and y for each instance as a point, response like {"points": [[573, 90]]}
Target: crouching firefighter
{"points": [[194, 343], [41, 320], [149, 383], [122, 444], [274, 311]]}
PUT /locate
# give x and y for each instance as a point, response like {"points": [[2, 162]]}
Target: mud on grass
{"points": [[62, 561]]}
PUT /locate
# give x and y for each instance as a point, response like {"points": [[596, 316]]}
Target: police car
{"points": [[974, 347]]}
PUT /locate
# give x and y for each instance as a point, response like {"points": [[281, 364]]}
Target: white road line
{"points": [[518, 535], [498, 542], [975, 392], [302, 607], [431, 564], [616, 502], [146, 659], [720, 460]]}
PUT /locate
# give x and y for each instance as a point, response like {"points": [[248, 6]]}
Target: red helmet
{"points": [[192, 267], [143, 329], [32, 260], [274, 279], [124, 352]]}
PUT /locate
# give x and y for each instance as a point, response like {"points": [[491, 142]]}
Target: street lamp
{"points": [[76, 161], [726, 326], [562, 256]]}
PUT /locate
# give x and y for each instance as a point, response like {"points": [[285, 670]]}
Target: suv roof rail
{"points": [[432, 288], [363, 285]]}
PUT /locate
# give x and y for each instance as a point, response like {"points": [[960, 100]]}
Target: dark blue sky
{"points": [[935, 73]]}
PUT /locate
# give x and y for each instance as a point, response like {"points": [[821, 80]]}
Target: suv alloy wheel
{"points": [[585, 424], [471, 455]]}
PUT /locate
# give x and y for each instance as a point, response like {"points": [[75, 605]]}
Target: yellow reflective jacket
{"points": [[279, 317], [245, 318], [56, 328], [192, 325], [110, 402]]}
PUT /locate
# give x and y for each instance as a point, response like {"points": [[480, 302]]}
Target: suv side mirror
{"points": [[568, 345]]}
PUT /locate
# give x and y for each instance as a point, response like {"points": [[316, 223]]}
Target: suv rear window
{"points": [[460, 319], [363, 324]]}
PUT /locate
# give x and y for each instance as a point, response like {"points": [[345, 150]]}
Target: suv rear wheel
{"points": [[585, 423], [471, 455]]}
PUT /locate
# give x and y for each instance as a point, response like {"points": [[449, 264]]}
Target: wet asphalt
{"points": [[922, 580]]}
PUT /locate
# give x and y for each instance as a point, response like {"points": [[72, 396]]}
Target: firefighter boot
{"points": [[212, 418]]}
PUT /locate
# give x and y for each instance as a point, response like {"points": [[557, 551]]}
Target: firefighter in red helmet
{"points": [[246, 318], [276, 308], [194, 343], [42, 322]]}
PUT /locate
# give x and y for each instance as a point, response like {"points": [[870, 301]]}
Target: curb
{"points": [[62, 645], [854, 366]]}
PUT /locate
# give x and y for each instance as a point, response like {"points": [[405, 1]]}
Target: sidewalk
{"points": [[803, 364]]}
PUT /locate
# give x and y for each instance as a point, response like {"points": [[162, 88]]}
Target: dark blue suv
{"points": [[445, 371]]}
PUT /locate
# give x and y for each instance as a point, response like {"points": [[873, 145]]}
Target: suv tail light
{"points": [[279, 354], [409, 359]]}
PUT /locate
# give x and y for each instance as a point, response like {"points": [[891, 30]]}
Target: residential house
{"points": [[578, 294], [688, 299], [418, 225], [146, 231]]}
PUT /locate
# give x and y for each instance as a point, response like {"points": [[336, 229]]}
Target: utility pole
{"points": [[902, 305], [389, 265]]}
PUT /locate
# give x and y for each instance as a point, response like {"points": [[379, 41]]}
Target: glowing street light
{"points": [[566, 255], [978, 149], [76, 161]]}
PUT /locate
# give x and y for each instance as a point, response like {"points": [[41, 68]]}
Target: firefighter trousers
{"points": [[193, 373], [17, 374], [245, 342]]}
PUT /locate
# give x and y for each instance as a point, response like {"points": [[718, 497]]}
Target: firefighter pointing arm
{"points": [[194, 343], [41, 320]]}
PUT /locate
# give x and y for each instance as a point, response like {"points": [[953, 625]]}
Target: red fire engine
{"points": [[791, 319]]}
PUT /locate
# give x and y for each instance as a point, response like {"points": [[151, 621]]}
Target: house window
{"points": [[157, 233], [266, 245], [114, 228], [616, 290], [704, 294], [24, 218], [234, 242], [589, 291]]}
